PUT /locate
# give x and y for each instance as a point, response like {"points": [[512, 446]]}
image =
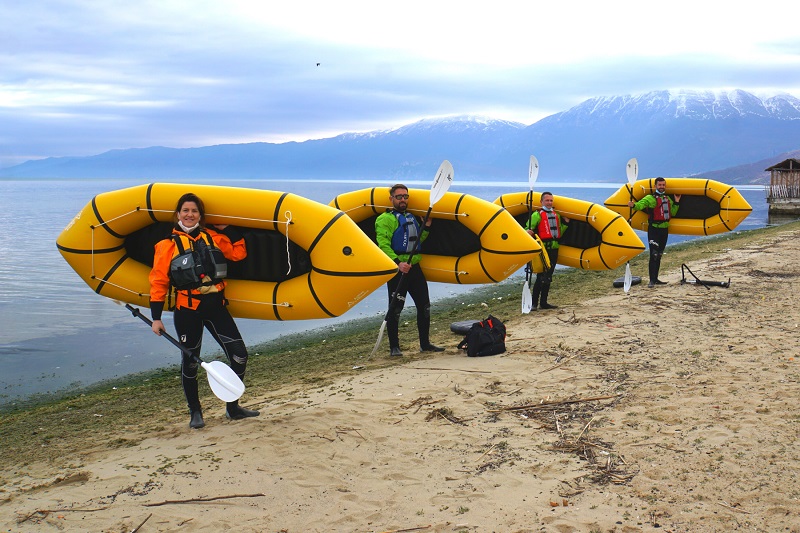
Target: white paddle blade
{"points": [[632, 170], [380, 338], [533, 171], [224, 382], [442, 181], [527, 299], [626, 285]]}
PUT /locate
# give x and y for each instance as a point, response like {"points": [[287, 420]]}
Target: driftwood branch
{"points": [[448, 370], [732, 507], [421, 528], [556, 365], [211, 499], [545, 405], [45, 512], [585, 428], [487, 452], [137, 528]]}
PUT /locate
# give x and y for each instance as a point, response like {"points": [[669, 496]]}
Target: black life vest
{"points": [[196, 263]]}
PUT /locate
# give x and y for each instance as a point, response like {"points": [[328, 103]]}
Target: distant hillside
{"points": [[671, 133], [752, 173]]}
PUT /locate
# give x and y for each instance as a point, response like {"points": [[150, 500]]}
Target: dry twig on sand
{"points": [[341, 429], [421, 528], [545, 405], [45, 512], [137, 528], [734, 507], [572, 320], [211, 499], [446, 413], [420, 402], [452, 369]]}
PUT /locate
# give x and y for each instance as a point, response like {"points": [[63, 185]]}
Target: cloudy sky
{"points": [[80, 77]]}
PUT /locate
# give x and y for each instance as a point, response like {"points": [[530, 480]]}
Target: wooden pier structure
{"points": [[783, 192]]}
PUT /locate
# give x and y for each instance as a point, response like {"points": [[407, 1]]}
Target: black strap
{"points": [[705, 283]]}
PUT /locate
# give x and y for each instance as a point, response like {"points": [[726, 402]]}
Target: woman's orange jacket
{"points": [[166, 250]]}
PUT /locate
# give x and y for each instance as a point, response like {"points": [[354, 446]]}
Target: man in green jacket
{"points": [[549, 226], [400, 235], [660, 208]]}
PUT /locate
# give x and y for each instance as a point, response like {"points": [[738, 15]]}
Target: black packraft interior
{"points": [[267, 258], [447, 237]]}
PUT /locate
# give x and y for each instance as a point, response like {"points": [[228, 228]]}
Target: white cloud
{"points": [[79, 77]]}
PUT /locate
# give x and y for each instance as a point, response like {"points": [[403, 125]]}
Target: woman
{"points": [[191, 260]]}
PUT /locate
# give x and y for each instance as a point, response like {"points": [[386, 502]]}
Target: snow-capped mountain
{"points": [[671, 132], [697, 105]]}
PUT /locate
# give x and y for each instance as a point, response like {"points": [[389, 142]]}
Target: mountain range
{"points": [[730, 136]]}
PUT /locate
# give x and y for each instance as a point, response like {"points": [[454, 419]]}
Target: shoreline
{"points": [[342, 324], [666, 408], [358, 324]]}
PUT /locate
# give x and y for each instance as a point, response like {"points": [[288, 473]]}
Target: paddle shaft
{"points": [[533, 175], [224, 382], [135, 312], [632, 177], [410, 255], [528, 269]]}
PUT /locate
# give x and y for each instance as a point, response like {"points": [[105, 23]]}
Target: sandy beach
{"points": [[667, 409]]}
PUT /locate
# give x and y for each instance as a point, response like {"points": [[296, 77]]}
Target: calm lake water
{"points": [[57, 334]]}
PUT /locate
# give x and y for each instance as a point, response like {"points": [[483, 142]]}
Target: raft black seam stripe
{"points": [[458, 209], [505, 252], [276, 307], [724, 223], [489, 222], [580, 258], [602, 231], [316, 298], [277, 212], [100, 221], [324, 230], [616, 245], [89, 252], [353, 274], [110, 273], [457, 271], [372, 201], [721, 220], [600, 255], [148, 199], [480, 262]]}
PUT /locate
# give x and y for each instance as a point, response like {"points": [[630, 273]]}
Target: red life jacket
{"points": [[661, 212], [549, 226]]}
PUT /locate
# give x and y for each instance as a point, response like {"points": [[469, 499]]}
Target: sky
{"points": [[81, 77]]}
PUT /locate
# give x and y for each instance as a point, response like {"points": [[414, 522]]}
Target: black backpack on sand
{"points": [[487, 337]]}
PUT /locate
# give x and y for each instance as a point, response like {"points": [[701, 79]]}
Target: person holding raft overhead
{"points": [[549, 226], [399, 234], [660, 208], [193, 261]]}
